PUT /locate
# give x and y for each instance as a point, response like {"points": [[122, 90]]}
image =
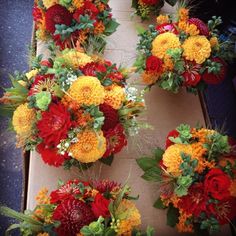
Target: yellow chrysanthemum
{"points": [[23, 119], [77, 3], [197, 48], [114, 96], [162, 19], [87, 90], [172, 157], [214, 42], [49, 3], [75, 59], [130, 217], [90, 147], [183, 14], [31, 74], [163, 42]]}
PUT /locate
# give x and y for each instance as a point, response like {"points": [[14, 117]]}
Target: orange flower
{"points": [[168, 63], [182, 225], [149, 77], [99, 28], [183, 14], [101, 6], [162, 19]]}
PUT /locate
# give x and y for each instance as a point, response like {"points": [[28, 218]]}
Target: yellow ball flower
{"points": [[49, 3], [163, 42], [87, 90], [114, 96], [130, 217], [197, 48], [75, 59], [31, 74], [23, 119], [172, 157], [90, 147]]}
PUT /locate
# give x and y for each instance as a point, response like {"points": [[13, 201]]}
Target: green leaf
{"points": [[140, 29], [146, 163], [158, 153], [159, 204], [172, 216], [134, 4], [107, 82], [12, 227], [171, 2], [108, 160], [111, 27], [153, 174]]}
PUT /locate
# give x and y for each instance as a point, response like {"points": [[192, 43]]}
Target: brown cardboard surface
{"points": [[164, 112]]}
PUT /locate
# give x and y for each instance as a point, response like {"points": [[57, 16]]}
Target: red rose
{"points": [[150, 2], [174, 133], [167, 27], [153, 64], [100, 206], [211, 78], [54, 124], [217, 184]]}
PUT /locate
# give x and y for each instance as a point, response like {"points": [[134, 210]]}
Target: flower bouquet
{"points": [[197, 176], [80, 208], [67, 22], [146, 8], [181, 51], [74, 109]]}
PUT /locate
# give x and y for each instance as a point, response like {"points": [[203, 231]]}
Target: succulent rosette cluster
{"points": [[74, 109], [197, 176], [71, 22], [147, 8], [80, 208], [181, 51]]}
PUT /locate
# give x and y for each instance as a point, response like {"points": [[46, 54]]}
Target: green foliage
{"points": [[111, 27], [211, 224], [73, 162], [108, 160], [213, 24], [213, 67], [95, 228], [183, 183], [149, 232], [159, 204], [171, 2], [43, 99], [172, 216], [188, 165]]}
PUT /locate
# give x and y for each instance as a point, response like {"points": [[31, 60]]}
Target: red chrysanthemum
{"points": [[211, 78], [57, 14], [54, 124], [67, 191], [174, 133], [203, 28], [150, 2], [51, 156], [87, 9], [111, 117], [116, 140], [167, 27], [73, 214], [195, 202], [105, 186]]}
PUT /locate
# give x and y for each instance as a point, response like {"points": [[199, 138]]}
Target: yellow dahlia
{"points": [[23, 119], [90, 147], [197, 48], [163, 42], [162, 19], [49, 3], [114, 96], [75, 59], [172, 157], [31, 74], [130, 217], [87, 90]]}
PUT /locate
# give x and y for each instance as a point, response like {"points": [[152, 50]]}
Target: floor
{"points": [[15, 37]]}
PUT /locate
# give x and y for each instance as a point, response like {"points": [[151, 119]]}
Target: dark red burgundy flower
{"points": [[174, 133], [73, 214], [54, 124], [51, 156], [153, 64], [116, 140], [211, 78], [150, 2], [167, 27], [104, 186], [203, 28], [57, 14]]}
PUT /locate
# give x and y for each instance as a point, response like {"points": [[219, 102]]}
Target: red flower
{"points": [[116, 140], [92, 68], [37, 14], [73, 214], [211, 78], [51, 156], [67, 191], [87, 9], [217, 184], [116, 77], [46, 63], [153, 64], [167, 27], [174, 133], [191, 74], [203, 28], [105, 186], [150, 2], [196, 200], [111, 117], [57, 14], [224, 211], [100, 206], [54, 124]]}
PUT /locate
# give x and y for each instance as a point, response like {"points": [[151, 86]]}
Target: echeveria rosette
{"points": [[182, 52], [197, 179], [69, 23], [80, 208], [148, 8]]}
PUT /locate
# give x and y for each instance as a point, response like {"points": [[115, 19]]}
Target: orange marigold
{"points": [[202, 134], [182, 225], [168, 63], [149, 77], [99, 28]]}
